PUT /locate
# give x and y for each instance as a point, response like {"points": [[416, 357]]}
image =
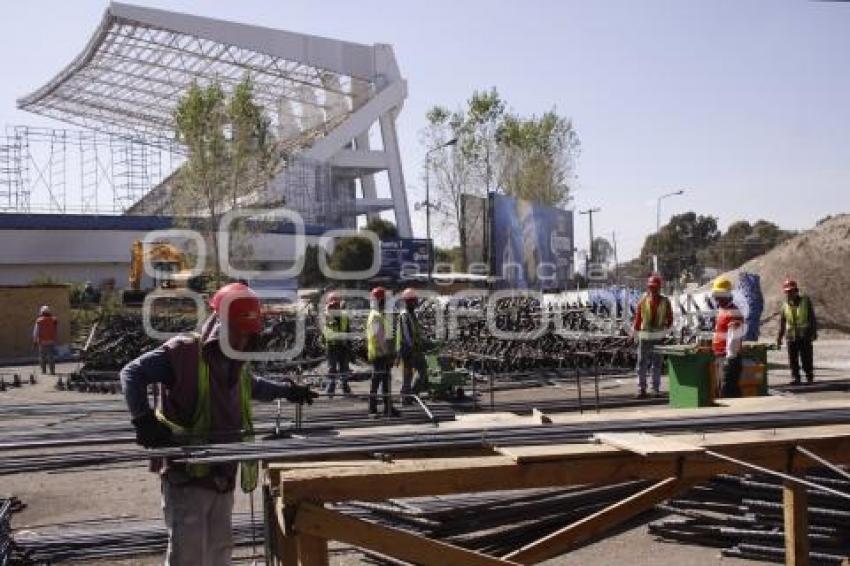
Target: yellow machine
{"points": [[171, 270]]}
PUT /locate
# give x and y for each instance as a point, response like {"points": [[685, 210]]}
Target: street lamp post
{"points": [[658, 225], [428, 153]]}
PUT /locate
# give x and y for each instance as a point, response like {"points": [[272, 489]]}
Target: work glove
{"points": [[299, 393], [152, 432]]}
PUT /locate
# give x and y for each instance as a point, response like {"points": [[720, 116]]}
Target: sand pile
{"points": [[819, 259]]}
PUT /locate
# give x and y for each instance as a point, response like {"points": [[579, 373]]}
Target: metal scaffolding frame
{"points": [[322, 96]]}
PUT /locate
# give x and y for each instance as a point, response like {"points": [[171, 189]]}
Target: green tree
{"points": [[352, 253], [678, 244], [384, 229], [230, 154], [538, 157], [603, 251], [743, 241], [311, 275]]}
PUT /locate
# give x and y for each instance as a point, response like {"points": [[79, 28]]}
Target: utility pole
{"points": [[589, 213], [658, 225], [616, 261]]}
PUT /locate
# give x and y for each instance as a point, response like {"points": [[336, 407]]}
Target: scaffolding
{"points": [[58, 170]]}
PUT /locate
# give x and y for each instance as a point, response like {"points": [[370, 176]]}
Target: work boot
{"points": [[657, 393], [641, 394], [373, 415], [393, 412], [795, 382]]}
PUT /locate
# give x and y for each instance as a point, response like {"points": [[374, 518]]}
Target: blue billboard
{"points": [[404, 257], [531, 246]]}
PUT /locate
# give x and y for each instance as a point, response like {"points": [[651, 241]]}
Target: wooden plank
{"points": [[461, 475], [552, 452], [312, 550], [596, 524], [796, 512], [317, 521], [646, 444]]}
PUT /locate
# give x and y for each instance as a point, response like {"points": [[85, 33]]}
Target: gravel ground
{"points": [[132, 492]]}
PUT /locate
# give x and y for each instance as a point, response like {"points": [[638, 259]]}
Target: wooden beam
{"points": [[646, 444], [312, 550], [462, 475], [796, 511], [594, 525], [317, 521]]}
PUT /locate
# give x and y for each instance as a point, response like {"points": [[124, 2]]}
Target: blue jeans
{"points": [[337, 368], [646, 360]]}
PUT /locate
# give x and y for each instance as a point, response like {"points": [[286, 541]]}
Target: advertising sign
{"points": [[531, 245], [404, 257]]}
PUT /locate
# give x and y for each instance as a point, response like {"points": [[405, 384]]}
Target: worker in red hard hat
{"points": [[205, 397], [799, 324], [380, 353], [410, 347], [653, 320], [337, 325], [44, 335]]}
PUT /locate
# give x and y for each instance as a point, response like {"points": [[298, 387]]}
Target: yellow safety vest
{"points": [[796, 318], [199, 430], [650, 328], [336, 322], [373, 349]]}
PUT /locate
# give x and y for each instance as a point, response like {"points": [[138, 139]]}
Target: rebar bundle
{"points": [[743, 515]]}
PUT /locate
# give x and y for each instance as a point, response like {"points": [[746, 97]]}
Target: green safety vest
{"points": [[373, 350], [649, 328], [199, 430], [335, 323], [797, 318], [417, 332]]}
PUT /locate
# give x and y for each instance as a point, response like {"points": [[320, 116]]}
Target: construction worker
{"points": [[205, 397], [653, 320], [409, 346], [728, 336], [379, 350], [44, 334], [798, 320], [336, 345]]}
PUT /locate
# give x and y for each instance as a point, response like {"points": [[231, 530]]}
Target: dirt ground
{"points": [[132, 492]]}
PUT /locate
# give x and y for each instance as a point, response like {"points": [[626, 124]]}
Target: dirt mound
{"points": [[819, 259]]}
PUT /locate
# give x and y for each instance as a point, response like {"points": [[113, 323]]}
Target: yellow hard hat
{"points": [[722, 287]]}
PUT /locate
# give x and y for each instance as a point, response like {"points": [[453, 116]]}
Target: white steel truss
{"points": [[322, 95]]}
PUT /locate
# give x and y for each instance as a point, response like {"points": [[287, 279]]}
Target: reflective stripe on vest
{"points": [[653, 328], [334, 324], [373, 351], [198, 432], [796, 318]]}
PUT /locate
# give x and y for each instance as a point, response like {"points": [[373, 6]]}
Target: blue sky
{"points": [[744, 103]]}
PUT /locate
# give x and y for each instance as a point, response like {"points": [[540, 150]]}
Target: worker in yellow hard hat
{"points": [[728, 336]]}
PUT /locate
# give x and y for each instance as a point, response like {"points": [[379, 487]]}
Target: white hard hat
{"points": [[44, 310]]}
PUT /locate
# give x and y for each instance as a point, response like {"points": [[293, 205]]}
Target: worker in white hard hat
{"points": [[409, 347], [44, 335]]}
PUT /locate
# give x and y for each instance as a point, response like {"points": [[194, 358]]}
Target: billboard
{"points": [[531, 245], [474, 216], [407, 256]]}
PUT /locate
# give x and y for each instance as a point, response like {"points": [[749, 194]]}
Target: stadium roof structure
{"points": [[322, 95]]}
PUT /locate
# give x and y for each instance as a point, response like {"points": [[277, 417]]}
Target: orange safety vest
{"points": [[726, 318], [46, 327]]}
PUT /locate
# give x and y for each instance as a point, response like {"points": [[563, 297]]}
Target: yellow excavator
{"points": [[171, 269]]}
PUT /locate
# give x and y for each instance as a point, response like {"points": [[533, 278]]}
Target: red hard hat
{"points": [[378, 293], [654, 281], [243, 307], [332, 299], [408, 294], [789, 285]]}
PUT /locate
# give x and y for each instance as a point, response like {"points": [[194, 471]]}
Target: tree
{"points": [[743, 241], [311, 275], [678, 243], [352, 253], [537, 157], [384, 229], [529, 158], [230, 154]]}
